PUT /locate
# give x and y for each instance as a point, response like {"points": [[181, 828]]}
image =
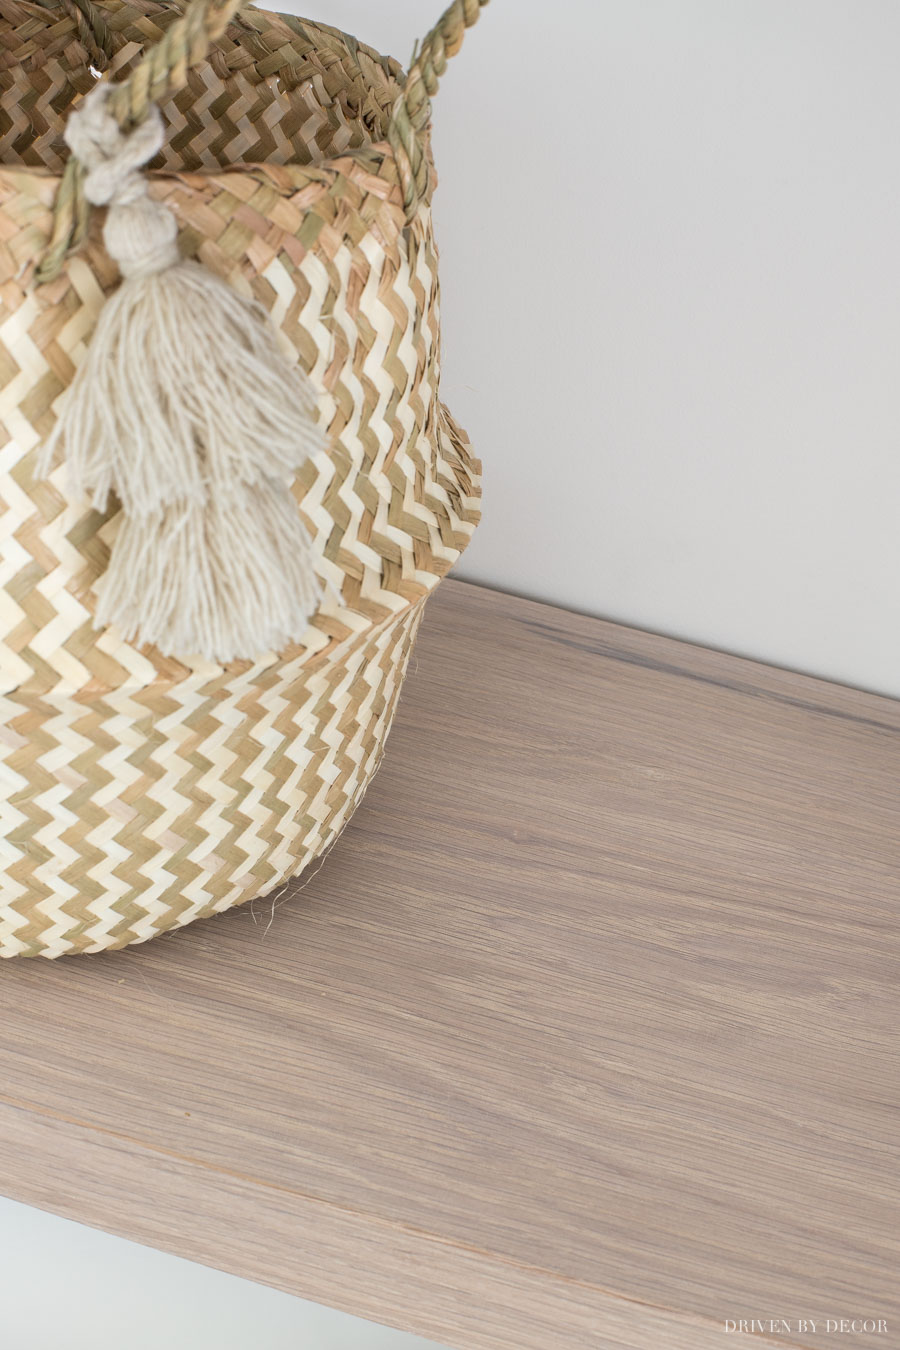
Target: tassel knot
{"points": [[139, 233], [112, 157], [186, 410]]}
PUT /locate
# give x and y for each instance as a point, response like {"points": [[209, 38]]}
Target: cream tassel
{"points": [[187, 411]]}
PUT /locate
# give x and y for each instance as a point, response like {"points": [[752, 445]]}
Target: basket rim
{"points": [[368, 162], [377, 152], [252, 20]]}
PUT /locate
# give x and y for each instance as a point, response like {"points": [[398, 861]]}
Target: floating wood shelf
{"points": [[584, 1035]]}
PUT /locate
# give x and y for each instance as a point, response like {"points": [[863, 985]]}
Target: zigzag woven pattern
{"points": [[138, 792]]}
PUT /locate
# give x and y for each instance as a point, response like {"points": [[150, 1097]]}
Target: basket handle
{"points": [[412, 111], [161, 73], [164, 71]]}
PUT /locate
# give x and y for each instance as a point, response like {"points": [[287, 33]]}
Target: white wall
{"points": [[67, 1287], [670, 235]]}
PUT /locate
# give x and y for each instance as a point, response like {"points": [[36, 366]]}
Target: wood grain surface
{"points": [[584, 1035]]}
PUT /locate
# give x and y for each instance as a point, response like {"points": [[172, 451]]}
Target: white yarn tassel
{"points": [[187, 411], [230, 575]]}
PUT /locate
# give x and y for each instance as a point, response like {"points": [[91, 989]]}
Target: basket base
{"points": [[147, 816]]}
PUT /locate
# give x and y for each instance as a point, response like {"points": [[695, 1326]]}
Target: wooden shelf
{"points": [[583, 1036]]}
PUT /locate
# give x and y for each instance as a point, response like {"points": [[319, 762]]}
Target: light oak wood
{"points": [[583, 1036]]}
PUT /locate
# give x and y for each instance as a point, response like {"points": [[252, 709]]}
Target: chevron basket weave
{"points": [[139, 793]]}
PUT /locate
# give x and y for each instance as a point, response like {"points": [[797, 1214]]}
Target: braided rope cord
{"points": [[164, 71], [93, 31], [412, 111]]}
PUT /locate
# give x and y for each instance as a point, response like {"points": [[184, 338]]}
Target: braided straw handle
{"points": [[412, 111], [164, 72]]}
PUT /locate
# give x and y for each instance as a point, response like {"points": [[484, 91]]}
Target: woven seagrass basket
{"points": [[138, 792]]}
